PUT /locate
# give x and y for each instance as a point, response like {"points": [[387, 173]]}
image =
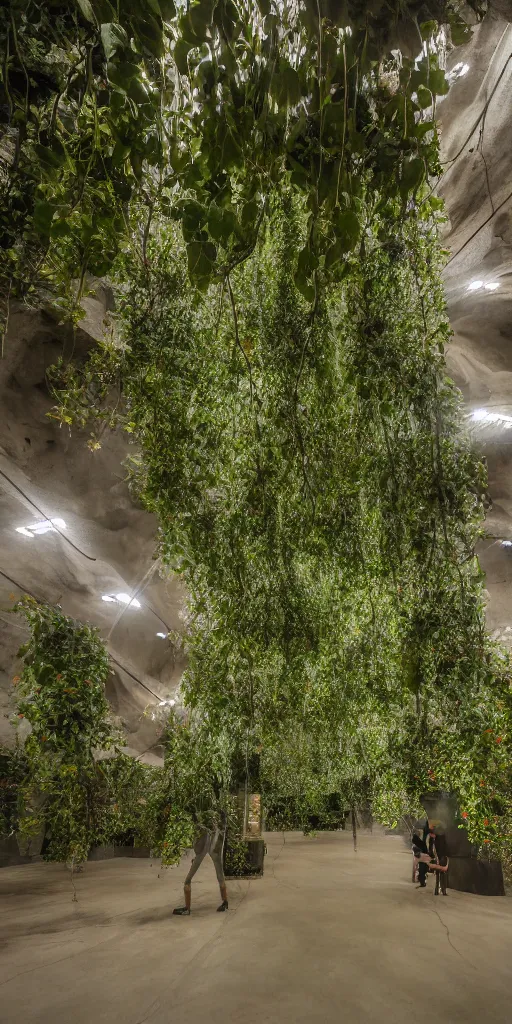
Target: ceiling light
{"points": [[491, 287], [126, 599], [38, 529], [475, 285], [485, 417], [162, 635], [458, 71], [121, 599]]}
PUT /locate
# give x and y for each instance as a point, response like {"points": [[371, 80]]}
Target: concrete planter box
{"points": [[109, 852]]}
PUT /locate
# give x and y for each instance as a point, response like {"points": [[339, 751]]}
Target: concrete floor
{"points": [[326, 936]]}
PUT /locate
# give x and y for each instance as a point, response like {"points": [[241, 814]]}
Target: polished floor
{"points": [[326, 936]]}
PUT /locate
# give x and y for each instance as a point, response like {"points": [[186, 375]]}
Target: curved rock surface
{"points": [[476, 125], [107, 545]]}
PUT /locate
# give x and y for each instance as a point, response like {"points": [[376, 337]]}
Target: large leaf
{"points": [[87, 10], [180, 54], [460, 32], [348, 229], [121, 74], [113, 38], [438, 82], [167, 9], [413, 174], [424, 97], [222, 223], [43, 216], [201, 262], [200, 16]]}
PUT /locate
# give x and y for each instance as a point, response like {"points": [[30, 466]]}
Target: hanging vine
{"points": [[279, 362]]}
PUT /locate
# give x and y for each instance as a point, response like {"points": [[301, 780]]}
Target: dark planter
{"points": [[109, 852], [481, 877]]}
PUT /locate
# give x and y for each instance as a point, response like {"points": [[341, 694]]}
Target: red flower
{"points": [[16, 680], [464, 814], [486, 821], [482, 783], [487, 840], [499, 739], [21, 716], [487, 731]]}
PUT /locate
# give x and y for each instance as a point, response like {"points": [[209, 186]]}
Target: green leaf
{"points": [[121, 74], [51, 158], [43, 216], [460, 32], [413, 174], [201, 260], [422, 128], [438, 82], [167, 9], [113, 38], [149, 33], [305, 287], [436, 203], [60, 228], [348, 230], [250, 213], [180, 54], [428, 29], [221, 223], [334, 254], [87, 10], [120, 153], [200, 16], [424, 97], [290, 86]]}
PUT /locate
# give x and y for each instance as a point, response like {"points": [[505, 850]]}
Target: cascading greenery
{"points": [[280, 365], [317, 492], [105, 103]]}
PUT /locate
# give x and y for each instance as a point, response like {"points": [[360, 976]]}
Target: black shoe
{"points": [[223, 907], [182, 911], [423, 885]]}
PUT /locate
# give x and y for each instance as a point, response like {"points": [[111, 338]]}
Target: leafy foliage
{"points": [[61, 693], [106, 103], [297, 438]]}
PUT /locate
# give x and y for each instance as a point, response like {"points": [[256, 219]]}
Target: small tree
{"points": [[61, 693]]}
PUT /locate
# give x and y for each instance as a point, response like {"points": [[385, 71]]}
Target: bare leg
{"points": [[200, 850], [216, 853]]}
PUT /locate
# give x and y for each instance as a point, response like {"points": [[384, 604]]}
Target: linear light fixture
{"points": [[485, 418], [121, 598], [38, 529]]}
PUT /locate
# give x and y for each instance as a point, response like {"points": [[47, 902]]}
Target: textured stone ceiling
{"points": [[476, 120], [107, 545]]}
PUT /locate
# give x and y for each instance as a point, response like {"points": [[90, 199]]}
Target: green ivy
{"points": [[61, 694]]}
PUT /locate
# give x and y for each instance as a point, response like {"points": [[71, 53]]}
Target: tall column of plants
{"points": [[61, 694]]}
